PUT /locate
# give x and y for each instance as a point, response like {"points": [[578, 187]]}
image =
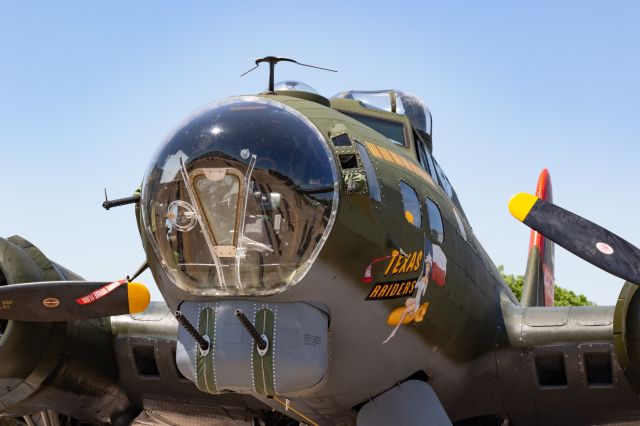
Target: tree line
{"points": [[561, 296]]}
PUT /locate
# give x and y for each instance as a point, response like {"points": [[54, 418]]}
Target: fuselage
{"points": [[407, 288], [456, 317], [320, 261]]}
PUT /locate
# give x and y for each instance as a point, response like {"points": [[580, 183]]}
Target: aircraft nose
{"points": [[239, 200]]}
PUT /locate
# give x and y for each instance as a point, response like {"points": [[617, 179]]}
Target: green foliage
{"points": [[561, 296], [514, 283], [564, 297]]}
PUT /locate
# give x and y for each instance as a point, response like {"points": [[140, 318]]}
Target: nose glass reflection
{"points": [[245, 209]]}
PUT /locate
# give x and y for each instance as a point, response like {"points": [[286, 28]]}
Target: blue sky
{"points": [[89, 89]]}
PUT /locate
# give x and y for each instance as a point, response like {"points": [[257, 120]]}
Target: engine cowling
{"points": [[626, 333], [68, 367]]}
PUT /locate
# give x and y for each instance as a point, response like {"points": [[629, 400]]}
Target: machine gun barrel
{"points": [[183, 321]]}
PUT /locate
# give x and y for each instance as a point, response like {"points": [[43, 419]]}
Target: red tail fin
{"points": [[539, 278]]}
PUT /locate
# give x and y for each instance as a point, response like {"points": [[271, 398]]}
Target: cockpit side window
{"points": [[444, 182], [433, 168], [447, 187], [425, 158]]}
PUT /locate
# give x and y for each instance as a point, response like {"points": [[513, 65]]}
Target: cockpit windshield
{"points": [[394, 101], [392, 130]]}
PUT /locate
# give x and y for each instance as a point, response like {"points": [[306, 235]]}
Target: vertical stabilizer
{"points": [[538, 279]]}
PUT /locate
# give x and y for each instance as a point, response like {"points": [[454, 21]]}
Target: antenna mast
{"points": [[272, 61]]}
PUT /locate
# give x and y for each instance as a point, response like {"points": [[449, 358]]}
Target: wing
{"points": [[577, 365], [109, 369]]}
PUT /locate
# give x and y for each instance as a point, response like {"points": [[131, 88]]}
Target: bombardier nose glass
{"points": [[240, 200]]}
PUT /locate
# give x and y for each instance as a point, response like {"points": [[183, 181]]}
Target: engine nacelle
{"points": [[69, 367], [626, 332]]}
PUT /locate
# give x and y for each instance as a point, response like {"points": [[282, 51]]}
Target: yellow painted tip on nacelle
{"points": [[520, 205], [139, 297]]}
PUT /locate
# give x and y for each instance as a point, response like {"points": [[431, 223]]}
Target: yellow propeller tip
{"points": [[139, 297], [520, 205]]}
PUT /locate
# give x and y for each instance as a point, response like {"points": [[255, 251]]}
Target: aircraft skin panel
{"points": [[163, 392], [411, 402], [559, 366], [450, 329], [453, 331], [463, 307]]}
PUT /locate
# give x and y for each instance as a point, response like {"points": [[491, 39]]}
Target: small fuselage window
{"points": [[411, 204], [435, 222], [392, 130]]}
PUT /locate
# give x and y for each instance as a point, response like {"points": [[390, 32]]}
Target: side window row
{"points": [[433, 168], [427, 162], [410, 200], [413, 214], [425, 159]]}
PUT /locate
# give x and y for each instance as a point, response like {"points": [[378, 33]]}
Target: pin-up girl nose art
{"points": [[434, 269]]}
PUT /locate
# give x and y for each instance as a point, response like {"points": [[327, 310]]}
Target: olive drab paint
{"points": [[374, 257], [366, 298], [409, 294]]}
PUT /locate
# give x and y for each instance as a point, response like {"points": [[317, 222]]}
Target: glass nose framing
{"points": [[219, 197]]}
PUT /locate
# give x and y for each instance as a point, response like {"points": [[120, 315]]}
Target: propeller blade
{"points": [[581, 237], [71, 300]]}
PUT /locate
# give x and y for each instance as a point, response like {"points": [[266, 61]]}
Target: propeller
{"points": [[585, 239], [71, 300]]}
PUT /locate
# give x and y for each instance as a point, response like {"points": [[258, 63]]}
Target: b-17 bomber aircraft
{"points": [[317, 268]]}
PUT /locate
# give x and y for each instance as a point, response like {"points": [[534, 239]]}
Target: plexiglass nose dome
{"points": [[240, 199]]}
